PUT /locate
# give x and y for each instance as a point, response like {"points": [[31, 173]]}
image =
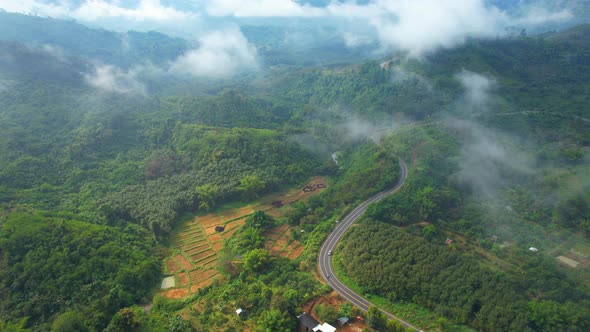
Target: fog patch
{"points": [[221, 54], [353, 40], [5, 85], [261, 8], [488, 158], [355, 128], [312, 144], [112, 79], [478, 89]]}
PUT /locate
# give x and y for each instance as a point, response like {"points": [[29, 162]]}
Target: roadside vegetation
{"points": [[102, 195]]}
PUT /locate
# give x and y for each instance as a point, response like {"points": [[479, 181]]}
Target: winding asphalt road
{"points": [[325, 261]]}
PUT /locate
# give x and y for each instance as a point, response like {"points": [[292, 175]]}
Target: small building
{"points": [[533, 249], [342, 320], [324, 328], [239, 311], [307, 322], [448, 241], [219, 229]]}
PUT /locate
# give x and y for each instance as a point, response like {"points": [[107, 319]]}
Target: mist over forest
{"points": [[164, 163]]}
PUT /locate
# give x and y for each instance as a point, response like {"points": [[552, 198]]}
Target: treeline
{"points": [[270, 291], [54, 266], [233, 163], [365, 89], [403, 267]]}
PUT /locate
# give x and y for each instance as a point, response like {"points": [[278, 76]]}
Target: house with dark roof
{"points": [[308, 322]]}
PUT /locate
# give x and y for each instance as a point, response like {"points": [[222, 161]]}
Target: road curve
{"points": [[325, 262]]}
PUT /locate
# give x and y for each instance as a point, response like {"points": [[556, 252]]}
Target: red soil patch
{"points": [[235, 224], [215, 237], [202, 255], [217, 246], [182, 279], [176, 293], [211, 230], [191, 243], [194, 245], [172, 266], [183, 262], [292, 245], [208, 220], [197, 276], [275, 232], [234, 213], [210, 263], [229, 233], [194, 230], [332, 299], [275, 251], [230, 226], [202, 284], [275, 213], [183, 239], [295, 253], [199, 249]]}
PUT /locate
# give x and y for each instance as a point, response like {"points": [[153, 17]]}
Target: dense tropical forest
{"points": [[111, 163]]}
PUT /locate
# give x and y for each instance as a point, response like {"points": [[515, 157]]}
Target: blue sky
{"points": [[414, 26]]}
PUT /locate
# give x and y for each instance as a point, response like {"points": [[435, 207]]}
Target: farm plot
{"points": [[197, 243], [281, 243]]}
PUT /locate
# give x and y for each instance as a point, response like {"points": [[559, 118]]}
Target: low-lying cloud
{"points": [[488, 156], [417, 27], [220, 54], [261, 8], [478, 88], [115, 80]]}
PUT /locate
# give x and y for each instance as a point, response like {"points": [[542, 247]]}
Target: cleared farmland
{"points": [[197, 245]]}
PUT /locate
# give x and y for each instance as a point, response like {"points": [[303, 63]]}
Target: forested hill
{"points": [[121, 49], [94, 178]]}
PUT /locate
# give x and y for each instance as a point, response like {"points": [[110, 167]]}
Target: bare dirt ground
{"points": [[217, 246], [335, 300], [183, 262], [280, 242], [199, 240], [197, 257], [176, 293], [182, 279], [172, 266], [296, 252]]}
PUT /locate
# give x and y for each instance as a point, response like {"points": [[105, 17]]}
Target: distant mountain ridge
{"points": [[121, 49]]}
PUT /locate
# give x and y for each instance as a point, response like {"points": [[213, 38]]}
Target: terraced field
{"points": [[281, 243], [197, 246]]}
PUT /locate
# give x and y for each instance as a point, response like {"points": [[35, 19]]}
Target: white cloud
{"points": [[92, 10], [417, 27], [478, 89], [538, 15], [112, 79], [261, 8], [34, 7], [422, 26], [220, 54], [356, 40]]}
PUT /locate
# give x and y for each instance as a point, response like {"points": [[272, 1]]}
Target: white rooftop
{"points": [[324, 328]]}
